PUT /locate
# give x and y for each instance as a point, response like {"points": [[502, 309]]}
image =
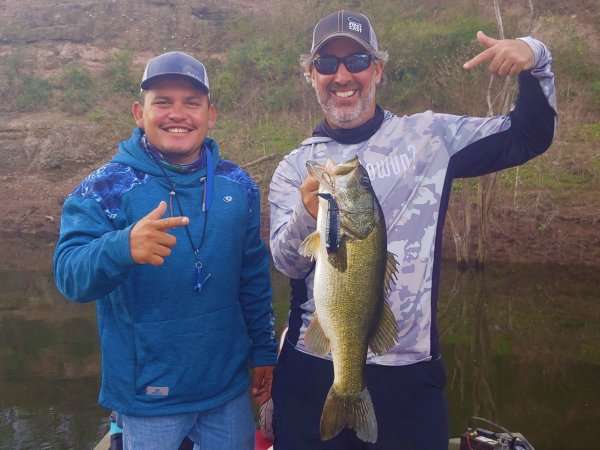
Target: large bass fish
{"points": [[352, 276]]}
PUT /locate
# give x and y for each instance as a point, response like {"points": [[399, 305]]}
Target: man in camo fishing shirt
{"points": [[411, 161]]}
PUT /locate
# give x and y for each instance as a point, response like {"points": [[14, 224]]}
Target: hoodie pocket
{"points": [[192, 359]]}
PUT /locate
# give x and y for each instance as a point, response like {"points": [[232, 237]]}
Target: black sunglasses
{"points": [[328, 64]]}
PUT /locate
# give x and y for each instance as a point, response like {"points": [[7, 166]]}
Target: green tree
{"points": [[119, 74], [77, 89], [34, 94]]}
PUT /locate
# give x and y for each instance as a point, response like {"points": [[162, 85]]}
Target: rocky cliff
{"points": [[45, 153]]}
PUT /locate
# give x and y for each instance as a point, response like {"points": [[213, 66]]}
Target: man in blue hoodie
{"points": [[166, 239]]}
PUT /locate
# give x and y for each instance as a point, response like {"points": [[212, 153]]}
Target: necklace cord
{"points": [[173, 193]]}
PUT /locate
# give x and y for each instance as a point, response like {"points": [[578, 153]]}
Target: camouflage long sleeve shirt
{"points": [[411, 161]]}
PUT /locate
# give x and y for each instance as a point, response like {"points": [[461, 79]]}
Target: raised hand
{"points": [[149, 242], [505, 57]]}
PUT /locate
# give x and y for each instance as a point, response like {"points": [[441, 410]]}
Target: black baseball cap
{"points": [[175, 63], [353, 25]]}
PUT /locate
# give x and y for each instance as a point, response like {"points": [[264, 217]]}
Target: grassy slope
{"points": [[545, 210]]}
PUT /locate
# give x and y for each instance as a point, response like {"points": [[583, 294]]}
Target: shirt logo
{"points": [[354, 25], [396, 164], [227, 198], [157, 391]]}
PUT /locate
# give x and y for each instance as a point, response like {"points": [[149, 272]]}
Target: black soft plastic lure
{"points": [[332, 224]]}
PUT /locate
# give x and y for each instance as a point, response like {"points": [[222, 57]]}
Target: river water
{"points": [[521, 346]]}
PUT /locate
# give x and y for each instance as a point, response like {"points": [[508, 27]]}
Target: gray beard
{"points": [[346, 117]]}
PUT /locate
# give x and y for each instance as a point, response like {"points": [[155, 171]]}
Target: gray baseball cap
{"points": [[175, 63], [353, 25]]}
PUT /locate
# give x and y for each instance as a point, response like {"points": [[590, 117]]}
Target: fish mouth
{"points": [[321, 173]]}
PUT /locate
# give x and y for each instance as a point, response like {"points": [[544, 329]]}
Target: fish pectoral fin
{"points": [[354, 411], [391, 272], [310, 245], [386, 332], [315, 338]]}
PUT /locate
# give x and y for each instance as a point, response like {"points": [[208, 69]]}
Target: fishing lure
{"points": [[332, 224]]}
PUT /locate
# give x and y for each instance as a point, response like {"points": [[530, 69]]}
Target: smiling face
{"points": [[347, 99], [176, 117]]}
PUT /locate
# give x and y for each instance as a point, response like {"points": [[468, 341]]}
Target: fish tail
{"points": [[354, 411]]}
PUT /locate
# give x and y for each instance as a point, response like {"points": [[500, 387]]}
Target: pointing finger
{"points": [[149, 241], [171, 222], [485, 40], [157, 212], [482, 57], [486, 55], [167, 223]]}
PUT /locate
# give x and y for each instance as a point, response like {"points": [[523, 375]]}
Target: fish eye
{"points": [[365, 181]]}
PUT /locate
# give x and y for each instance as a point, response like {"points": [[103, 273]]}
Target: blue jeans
{"points": [[228, 427]]}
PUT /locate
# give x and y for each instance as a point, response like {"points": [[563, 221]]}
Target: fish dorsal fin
{"points": [[315, 338], [386, 332], [391, 272], [310, 245]]}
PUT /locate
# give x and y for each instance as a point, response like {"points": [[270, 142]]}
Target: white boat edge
{"points": [[104, 443]]}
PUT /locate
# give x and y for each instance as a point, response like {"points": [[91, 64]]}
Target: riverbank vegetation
{"points": [[266, 107]]}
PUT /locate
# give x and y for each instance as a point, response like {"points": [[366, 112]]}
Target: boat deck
{"points": [[260, 442]]}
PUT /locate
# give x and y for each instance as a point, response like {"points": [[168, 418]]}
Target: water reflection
{"points": [[520, 346], [521, 349], [49, 366]]}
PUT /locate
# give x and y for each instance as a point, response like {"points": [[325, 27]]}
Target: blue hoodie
{"points": [[167, 349]]}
